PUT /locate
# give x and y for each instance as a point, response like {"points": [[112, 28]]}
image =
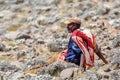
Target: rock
{"points": [[16, 76], [40, 77], [19, 41], [79, 13], [50, 19], [45, 77], [107, 70], [4, 13], [69, 1], [30, 77], [115, 24], [93, 75], [15, 8], [115, 57], [95, 18], [14, 1], [3, 30], [20, 54], [116, 4], [115, 75], [29, 42], [40, 41], [67, 73], [116, 41], [23, 36], [2, 47], [12, 35], [94, 25], [1, 1], [7, 66], [115, 12], [57, 45], [103, 10], [13, 27], [87, 5], [36, 61], [19, 1], [89, 15], [52, 69], [53, 2]]}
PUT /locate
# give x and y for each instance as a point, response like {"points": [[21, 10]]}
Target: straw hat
{"points": [[73, 20]]}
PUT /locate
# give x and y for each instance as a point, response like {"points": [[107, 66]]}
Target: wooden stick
{"points": [[99, 54]]}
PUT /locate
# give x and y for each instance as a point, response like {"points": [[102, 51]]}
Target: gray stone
{"points": [[78, 14], [45, 77], [115, 75], [16, 76], [36, 61], [4, 13], [58, 45], [116, 4], [40, 77], [52, 69], [67, 73], [94, 25], [20, 54], [3, 30], [93, 75], [69, 1], [103, 10], [11, 35], [53, 2], [14, 1], [23, 36], [116, 24], [2, 2], [52, 18], [88, 15], [15, 8], [115, 58], [116, 41], [30, 77], [7, 66], [95, 18], [2, 47], [40, 41], [115, 12]]}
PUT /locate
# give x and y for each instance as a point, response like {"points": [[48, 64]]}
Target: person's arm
{"points": [[82, 60], [99, 54]]}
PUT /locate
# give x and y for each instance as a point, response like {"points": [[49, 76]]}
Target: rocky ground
{"points": [[31, 31]]}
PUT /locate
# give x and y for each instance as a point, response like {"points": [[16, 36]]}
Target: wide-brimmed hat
{"points": [[73, 20]]}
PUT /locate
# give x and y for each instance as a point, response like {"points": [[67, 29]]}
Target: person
{"points": [[81, 47]]}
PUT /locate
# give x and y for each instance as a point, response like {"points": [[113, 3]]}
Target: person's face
{"points": [[71, 27]]}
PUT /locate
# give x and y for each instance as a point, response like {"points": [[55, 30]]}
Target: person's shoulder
{"points": [[87, 32]]}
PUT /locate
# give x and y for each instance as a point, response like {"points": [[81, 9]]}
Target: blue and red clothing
{"points": [[81, 42], [74, 52]]}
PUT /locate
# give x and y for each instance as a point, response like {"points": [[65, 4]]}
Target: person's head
{"points": [[73, 24]]}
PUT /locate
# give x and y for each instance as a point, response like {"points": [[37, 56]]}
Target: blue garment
{"points": [[74, 52]]}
